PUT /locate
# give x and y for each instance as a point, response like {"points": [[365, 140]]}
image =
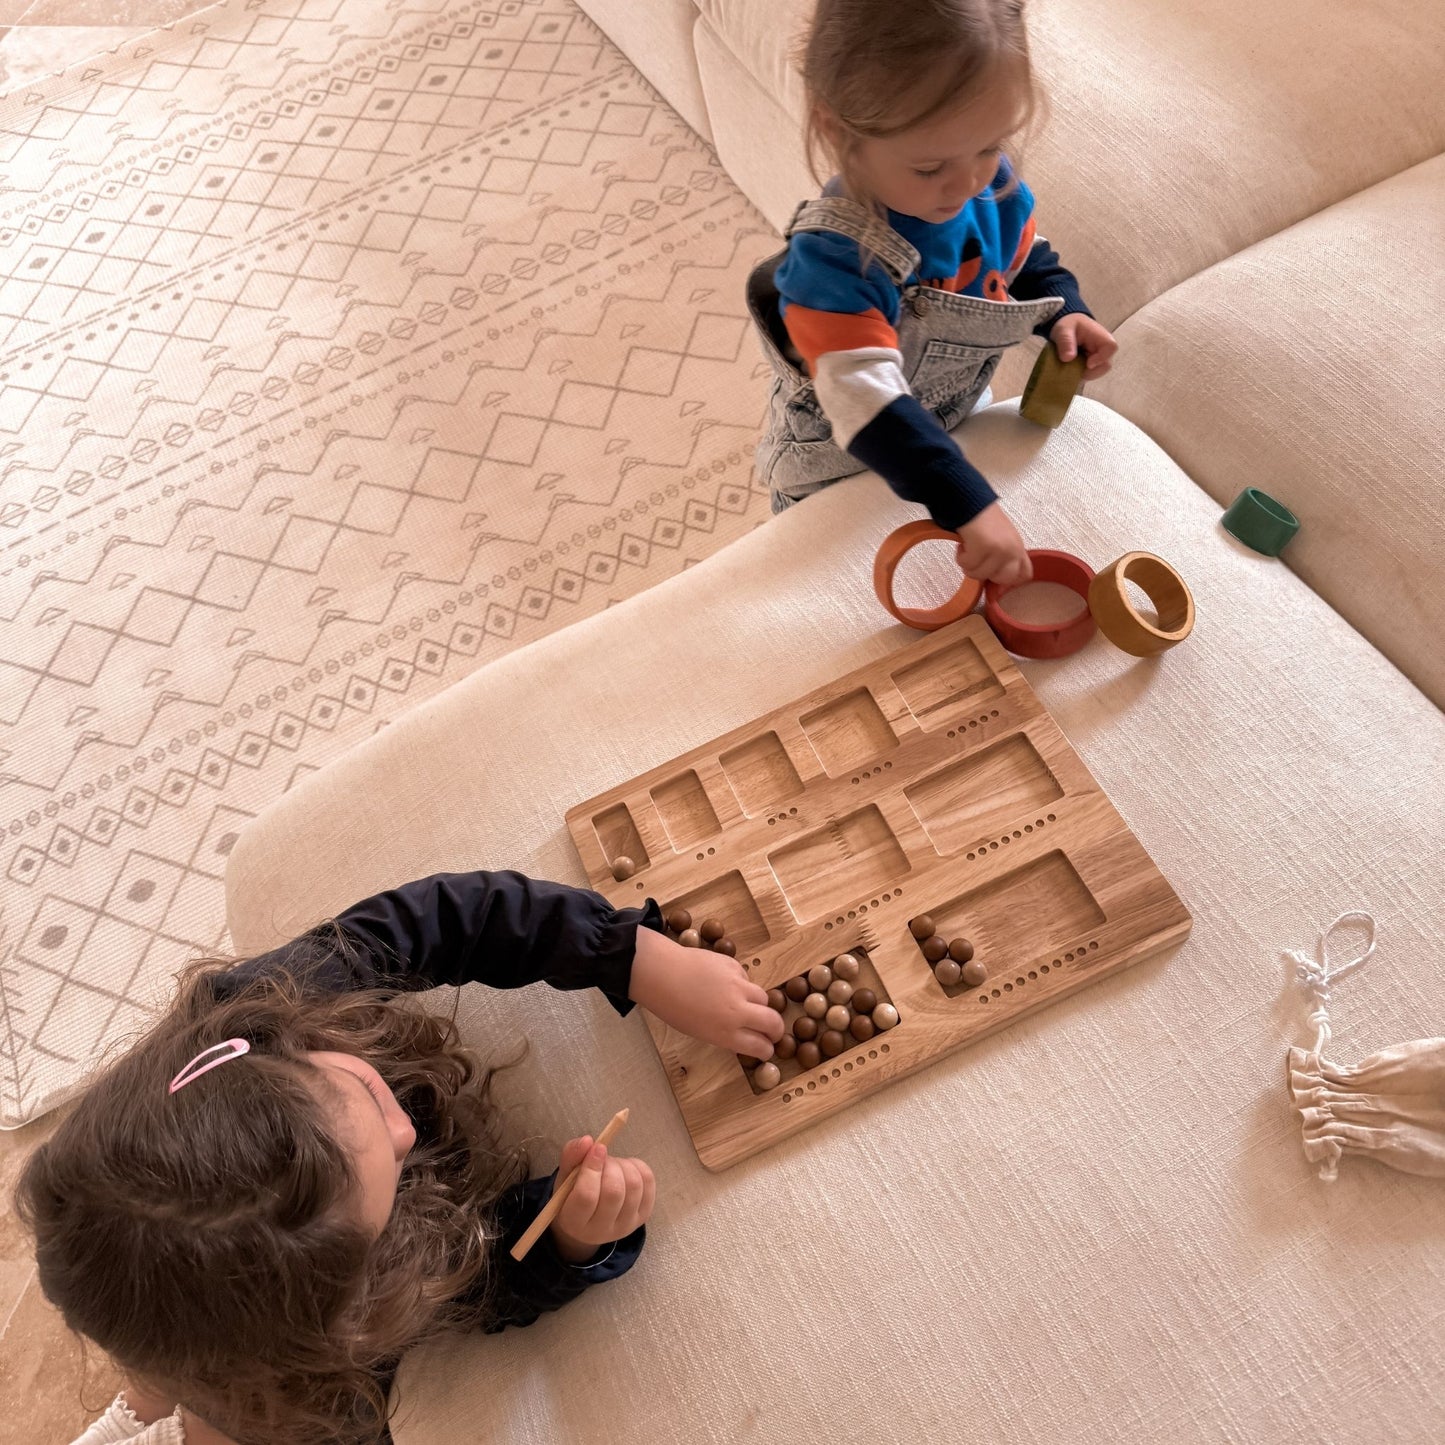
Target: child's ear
{"points": [[825, 123]]}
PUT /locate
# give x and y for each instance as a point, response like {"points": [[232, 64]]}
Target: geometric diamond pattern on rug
{"points": [[342, 350]]}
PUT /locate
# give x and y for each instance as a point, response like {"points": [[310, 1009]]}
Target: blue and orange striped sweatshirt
{"points": [[842, 320]]}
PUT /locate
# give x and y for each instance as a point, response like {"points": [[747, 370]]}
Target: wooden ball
{"points": [[726, 947], [864, 1000], [832, 1043], [837, 1017], [796, 988], [840, 991], [767, 1075], [934, 948], [711, 930], [862, 1028], [809, 1055], [623, 867], [846, 966], [885, 1016], [947, 972], [960, 950], [805, 1028], [679, 920], [815, 1005], [820, 976], [777, 999], [690, 938], [785, 1047], [974, 973], [922, 927]]}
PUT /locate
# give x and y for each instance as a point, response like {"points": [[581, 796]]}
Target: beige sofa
{"points": [[1097, 1225], [1254, 196]]}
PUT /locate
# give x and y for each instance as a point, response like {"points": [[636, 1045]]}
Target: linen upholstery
{"points": [[1313, 365], [1178, 133], [661, 31], [1096, 1225]]}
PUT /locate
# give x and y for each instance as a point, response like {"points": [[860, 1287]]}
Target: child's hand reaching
{"points": [[1077, 332], [991, 549], [610, 1199], [705, 994]]}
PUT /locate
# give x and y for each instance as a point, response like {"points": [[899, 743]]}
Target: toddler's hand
{"points": [[705, 994], [1076, 333], [610, 1199], [991, 549]]}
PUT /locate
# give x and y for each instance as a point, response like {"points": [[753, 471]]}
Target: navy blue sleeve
{"points": [[1042, 275], [544, 1281], [501, 929], [909, 449]]}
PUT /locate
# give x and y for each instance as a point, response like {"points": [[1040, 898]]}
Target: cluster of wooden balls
{"points": [[836, 1014], [952, 960], [709, 933]]}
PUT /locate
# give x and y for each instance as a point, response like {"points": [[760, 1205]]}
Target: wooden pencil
{"points": [[553, 1207]]}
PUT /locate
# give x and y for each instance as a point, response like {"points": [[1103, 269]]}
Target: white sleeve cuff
{"points": [[854, 386]]}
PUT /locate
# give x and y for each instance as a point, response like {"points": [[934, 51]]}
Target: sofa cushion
{"points": [[1179, 133], [657, 39], [1312, 366], [1098, 1224]]}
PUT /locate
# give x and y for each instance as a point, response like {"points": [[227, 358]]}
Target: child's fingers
{"points": [[632, 1177], [1066, 345], [574, 1151], [649, 1193], [752, 1043], [1020, 569], [582, 1202], [763, 1019], [611, 1195], [756, 993]]}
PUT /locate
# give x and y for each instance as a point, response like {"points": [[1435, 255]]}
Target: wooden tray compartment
{"points": [[930, 781]]}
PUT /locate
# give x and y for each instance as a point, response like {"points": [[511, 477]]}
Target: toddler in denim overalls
{"points": [[887, 312]]}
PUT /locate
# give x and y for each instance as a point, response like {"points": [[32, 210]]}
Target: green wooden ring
{"points": [[1260, 522], [1052, 385]]}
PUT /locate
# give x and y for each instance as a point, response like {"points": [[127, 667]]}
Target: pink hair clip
{"points": [[231, 1049]]}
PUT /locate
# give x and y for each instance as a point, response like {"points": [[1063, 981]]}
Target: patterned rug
{"points": [[343, 348]]}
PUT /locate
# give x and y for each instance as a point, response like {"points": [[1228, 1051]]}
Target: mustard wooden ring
{"points": [[896, 545], [1119, 620], [1052, 385]]}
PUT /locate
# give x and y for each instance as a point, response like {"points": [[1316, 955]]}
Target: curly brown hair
{"points": [[206, 1240], [877, 70]]}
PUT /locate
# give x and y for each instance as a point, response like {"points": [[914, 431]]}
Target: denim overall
{"points": [[951, 345]]}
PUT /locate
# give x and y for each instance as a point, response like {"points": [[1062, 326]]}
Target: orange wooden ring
{"points": [[1048, 639], [896, 545]]}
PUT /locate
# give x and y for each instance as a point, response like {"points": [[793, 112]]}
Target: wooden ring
{"points": [[1119, 620], [1052, 385], [1048, 639], [896, 545]]}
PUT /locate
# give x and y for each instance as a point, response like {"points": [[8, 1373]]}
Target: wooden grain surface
{"points": [[930, 781]]}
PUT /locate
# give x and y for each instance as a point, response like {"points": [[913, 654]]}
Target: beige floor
{"points": [[48, 1391]]}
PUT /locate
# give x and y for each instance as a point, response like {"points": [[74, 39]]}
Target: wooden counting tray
{"points": [[931, 781]]}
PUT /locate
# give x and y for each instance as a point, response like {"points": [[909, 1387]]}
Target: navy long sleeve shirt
{"points": [[506, 931]]}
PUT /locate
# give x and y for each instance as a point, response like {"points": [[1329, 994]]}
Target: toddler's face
{"points": [[934, 169]]}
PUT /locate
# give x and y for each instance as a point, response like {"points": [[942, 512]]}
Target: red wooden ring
{"points": [[1048, 639], [896, 545]]}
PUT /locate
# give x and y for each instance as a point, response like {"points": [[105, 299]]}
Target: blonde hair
{"points": [[876, 70]]}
